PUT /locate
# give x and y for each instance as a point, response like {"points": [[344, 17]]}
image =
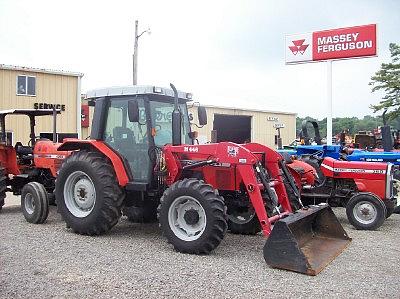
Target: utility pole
{"points": [[135, 51]]}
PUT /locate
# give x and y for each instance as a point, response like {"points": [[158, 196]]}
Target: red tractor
{"points": [[365, 189], [30, 170], [142, 154]]}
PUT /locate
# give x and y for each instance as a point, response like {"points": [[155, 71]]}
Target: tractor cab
{"points": [[137, 121]]}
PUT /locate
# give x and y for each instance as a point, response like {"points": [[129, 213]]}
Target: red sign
{"points": [[85, 116], [358, 41]]}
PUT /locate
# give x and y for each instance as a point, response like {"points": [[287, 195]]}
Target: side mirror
{"points": [[133, 111], [202, 115]]}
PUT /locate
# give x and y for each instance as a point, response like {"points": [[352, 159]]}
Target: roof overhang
{"points": [[38, 70], [29, 112]]}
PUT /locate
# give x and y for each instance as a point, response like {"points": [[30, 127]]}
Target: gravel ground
{"points": [[133, 260]]}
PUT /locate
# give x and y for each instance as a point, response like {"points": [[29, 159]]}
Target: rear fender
{"points": [[302, 172], [71, 144], [8, 159]]}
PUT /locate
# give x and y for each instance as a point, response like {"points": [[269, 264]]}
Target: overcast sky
{"points": [[228, 53]]}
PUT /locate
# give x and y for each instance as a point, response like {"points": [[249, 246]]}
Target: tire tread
{"points": [[113, 195], [217, 209]]}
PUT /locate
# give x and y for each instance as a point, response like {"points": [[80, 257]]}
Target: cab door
{"points": [[129, 139]]}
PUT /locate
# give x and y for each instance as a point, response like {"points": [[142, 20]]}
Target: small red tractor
{"points": [[30, 170], [142, 154], [365, 189]]}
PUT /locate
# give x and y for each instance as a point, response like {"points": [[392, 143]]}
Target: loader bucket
{"points": [[306, 241]]}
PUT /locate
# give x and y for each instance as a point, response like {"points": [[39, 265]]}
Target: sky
{"points": [[227, 53]]}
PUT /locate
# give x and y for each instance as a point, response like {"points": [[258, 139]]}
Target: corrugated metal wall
{"points": [[262, 129], [50, 88]]}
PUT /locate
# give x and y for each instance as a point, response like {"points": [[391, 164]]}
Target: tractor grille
{"points": [[390, 192]]}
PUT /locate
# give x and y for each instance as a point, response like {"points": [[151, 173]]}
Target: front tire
{"points": [[35, 203], [192, 216], [88, 196], [366, 211]]}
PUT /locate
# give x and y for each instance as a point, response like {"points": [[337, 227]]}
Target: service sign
{"points": [[351, 42]]}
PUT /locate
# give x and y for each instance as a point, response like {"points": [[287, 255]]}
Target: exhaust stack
{"points": [[176, 119]]}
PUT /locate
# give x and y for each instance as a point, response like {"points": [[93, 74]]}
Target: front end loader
{"points": [[142, 153]]}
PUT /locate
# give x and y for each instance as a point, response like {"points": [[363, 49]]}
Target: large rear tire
{"points": [[3, 186], [35, 203], [192, 216], [313, 162], [366, 211], [88, 196]]}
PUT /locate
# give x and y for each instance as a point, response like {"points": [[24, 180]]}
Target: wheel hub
{"points": [[365, 212], [29, 203], [191, 217], [79, 194], [187, 218]]}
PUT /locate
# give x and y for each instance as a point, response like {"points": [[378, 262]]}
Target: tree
{"points": [[388, 80]]}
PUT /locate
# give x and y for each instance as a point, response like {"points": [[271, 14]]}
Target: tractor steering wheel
{"points": [[318, 156], [343, 154]]}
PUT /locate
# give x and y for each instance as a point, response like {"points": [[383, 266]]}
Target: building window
{"points": [[26, 85]]}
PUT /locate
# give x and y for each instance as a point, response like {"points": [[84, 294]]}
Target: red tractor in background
{"points": [[30, 170], [365, 189]]}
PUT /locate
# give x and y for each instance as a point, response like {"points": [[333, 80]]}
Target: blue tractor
{"points": [[340, 152]]}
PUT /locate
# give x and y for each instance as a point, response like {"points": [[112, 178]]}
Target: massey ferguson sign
{"points": [[359, 41]]}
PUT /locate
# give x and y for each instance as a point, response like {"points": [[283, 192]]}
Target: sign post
{"points": [[329, 45], [329, 102]]}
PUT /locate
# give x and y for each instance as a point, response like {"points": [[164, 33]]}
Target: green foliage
{"points": [[387, 79], [353, 124]]}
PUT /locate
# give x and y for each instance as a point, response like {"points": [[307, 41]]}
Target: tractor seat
{"points": [[23, 150], [124, 138]]}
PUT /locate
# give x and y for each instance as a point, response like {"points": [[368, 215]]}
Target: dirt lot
{"points": [[42, 261]]}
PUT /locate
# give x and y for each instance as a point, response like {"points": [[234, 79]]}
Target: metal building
{"points": [[246, 125], [24, 87]]}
